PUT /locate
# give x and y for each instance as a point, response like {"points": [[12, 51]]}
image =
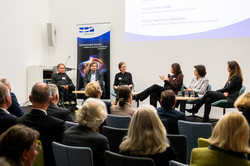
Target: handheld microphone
{"points": [[168, 75]]}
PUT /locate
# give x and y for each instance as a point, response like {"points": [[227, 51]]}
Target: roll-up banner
{"points": [[93, 44]]}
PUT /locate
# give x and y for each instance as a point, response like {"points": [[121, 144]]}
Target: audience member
{"points": [[64, 84], [173, 82], [147, 137], [167, 111], [93, 74], [5, 162], [54, 110], [229, 92], [122, 78], [19, 145], [89, 117], [93, 90], [50, 128], [243, 105], [125, 100], [6, 119], [228, 143], [14, 108]]}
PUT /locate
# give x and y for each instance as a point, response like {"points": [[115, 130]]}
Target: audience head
{"points": [[201, 70], [231, 133], [167, 99], [93, 66], [40, 94], [124, 95], [122, 66], [146, 133], [19, 145], [243, 102], [93, 89], [5, 98], [176, 69], [92, 113], [5, 162], [6, 83], [61, 68], [54, 92], [234, 69]]}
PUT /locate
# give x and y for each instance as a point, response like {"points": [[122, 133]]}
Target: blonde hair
{"points": [[231, 133], [146, 133], [93, 89], [243, 102], [92, 113]]}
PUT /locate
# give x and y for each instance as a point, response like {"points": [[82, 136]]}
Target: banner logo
{"points": [[87, 30]]}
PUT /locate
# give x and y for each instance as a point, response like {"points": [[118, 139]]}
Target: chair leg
{"points": [[224, 111]]}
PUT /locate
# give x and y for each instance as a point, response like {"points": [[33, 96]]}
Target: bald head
{"points": [[40, 93]]}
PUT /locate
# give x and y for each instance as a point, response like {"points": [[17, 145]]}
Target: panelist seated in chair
{"points": [[93, 74], [89, 117], [55, 111], [147, 137], [167, 111], [64, 84], [228, 143], [230, 91]]}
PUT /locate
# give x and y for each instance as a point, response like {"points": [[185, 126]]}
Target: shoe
{"points": [[191, 110], [67, 102], [135, 97], [73, 102]]}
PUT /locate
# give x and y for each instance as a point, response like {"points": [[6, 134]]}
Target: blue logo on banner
{"points": [[86, 29]]}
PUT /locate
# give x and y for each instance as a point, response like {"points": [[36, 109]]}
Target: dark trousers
{"points": [[208, 99], [67, 94], [154, 92]]}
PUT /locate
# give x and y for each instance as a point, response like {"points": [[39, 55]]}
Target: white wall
{"points": [[145, 60], [23, 40]]}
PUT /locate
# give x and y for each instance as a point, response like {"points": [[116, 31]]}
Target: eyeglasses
{"points": [[38, 148]]}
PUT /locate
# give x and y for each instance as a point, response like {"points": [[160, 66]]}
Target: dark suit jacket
{"points": [[87, 78], [50, 129], [232, 87], [59, 112], [84, 136], [172, 116], [6, 120], [15, 108]]}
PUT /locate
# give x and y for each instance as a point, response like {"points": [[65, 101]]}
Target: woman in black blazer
{"points": [[229, 92]]}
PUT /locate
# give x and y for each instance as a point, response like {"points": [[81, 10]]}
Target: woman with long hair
{"points": [[228, 143], [147, 137], [173, 82], [230, 91]]}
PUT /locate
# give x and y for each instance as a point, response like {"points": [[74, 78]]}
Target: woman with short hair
{"points": [[147, 137], [89, 117], [19, 145], [228, 143]]}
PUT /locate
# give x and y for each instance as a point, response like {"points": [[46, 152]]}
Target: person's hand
{"points": [[188, 89], [162, 77], [225, 94], [116, 87]]}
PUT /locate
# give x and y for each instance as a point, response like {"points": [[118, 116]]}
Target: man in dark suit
{"points": [[6, 119], [14, 108], [50, 128], [55, 111], [167, 111], [93, 74]]}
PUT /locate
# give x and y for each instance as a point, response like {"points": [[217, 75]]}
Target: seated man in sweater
{"points": [[54, 110], [167, 111]]}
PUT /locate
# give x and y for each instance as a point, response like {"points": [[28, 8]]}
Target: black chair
{"points": [[69, 124], [114, 159], [115, 136], [179, 143], [176, 163], [165, 124]]}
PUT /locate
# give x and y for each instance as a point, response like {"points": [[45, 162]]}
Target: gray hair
{"points": [[4, 92], [54, 90], [40, 93], [92, 113], [4, 81]]}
